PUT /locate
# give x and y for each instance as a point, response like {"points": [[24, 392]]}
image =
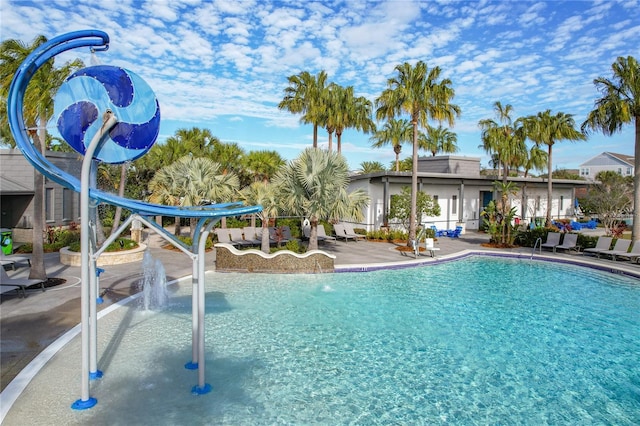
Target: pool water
{"points": [[476, 341]]}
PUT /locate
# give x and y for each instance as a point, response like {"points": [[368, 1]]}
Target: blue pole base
{"points": [[84, 405], [197, 390], [99, 300], [96, 375], [191, 365]]}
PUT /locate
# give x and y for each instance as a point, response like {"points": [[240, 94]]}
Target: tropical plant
{"points": [[38, 109], [343, 110], [438, 139], [503, 139], [264, 194], [419, 92], [547, 129], [400, 207], [192, 182], [262, 165], [395, 133], [314, 185], [620, 105], [609, 198], [305, 95], [371, 167]]}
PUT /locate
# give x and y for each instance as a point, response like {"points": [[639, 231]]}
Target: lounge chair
{"points": [[238, 238], [621, 247], [250, 234], [322, 235], [338, 228], [286, 232], [632, 255], [12, 259], [603, 243], [224, 236], [438, 232], [553, 240], [454, 233], [19, 284], [570, 242], [348, 229]]}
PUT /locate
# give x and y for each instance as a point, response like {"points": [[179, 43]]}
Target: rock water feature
{"points": [[154, 283]]}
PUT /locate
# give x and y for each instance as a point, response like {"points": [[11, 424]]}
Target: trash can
{"points": [[6, 240]]}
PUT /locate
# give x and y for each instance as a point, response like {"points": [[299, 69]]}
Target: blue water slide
{"points": [[97, 41]]}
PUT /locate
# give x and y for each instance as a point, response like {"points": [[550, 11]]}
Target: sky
{"points": [[223, 65]]}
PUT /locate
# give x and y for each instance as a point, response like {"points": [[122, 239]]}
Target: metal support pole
{"points": [[85, 250]]}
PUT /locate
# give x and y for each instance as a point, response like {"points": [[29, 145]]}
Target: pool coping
{"points": [[16, 387]]}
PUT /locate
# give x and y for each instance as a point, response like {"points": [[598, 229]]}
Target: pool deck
{"points": [[28, 325]]}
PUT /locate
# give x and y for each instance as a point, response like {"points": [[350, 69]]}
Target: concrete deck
{"points": [[28, 325]]}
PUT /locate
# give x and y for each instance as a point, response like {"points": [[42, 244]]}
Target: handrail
{"points": [[538, 240]]}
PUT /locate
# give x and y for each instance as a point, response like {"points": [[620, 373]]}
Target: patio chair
{"points": [[12, 259], [19, 284], [338, 228], [570, 242], [603, 243], [348, 229], [286, 232], [438, 232], [620, 248], [553, 239], [277, 235], [454, 233], [224, 236], [249, 233], [322, 235], [429, 245], [238, 238], [632, 255]]}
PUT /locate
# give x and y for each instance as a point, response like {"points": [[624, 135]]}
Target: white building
{"points": [[462, 193], [607, 161]]}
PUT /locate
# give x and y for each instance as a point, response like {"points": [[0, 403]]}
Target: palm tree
{"points": [[265, 194], [535, 159], [314, 185], [619, 105], [371, 167], [417, 92], [503, 138], [192, 181], [262, 164], [438, 139], [304, 95], [394, 132], [38, 110], [545, 128], [346, 111]]}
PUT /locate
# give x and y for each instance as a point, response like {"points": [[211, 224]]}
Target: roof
{"points": [[13, 187], [618, 158], [629, 159]]}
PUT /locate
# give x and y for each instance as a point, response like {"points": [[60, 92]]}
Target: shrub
{"points": [[120, 244]]}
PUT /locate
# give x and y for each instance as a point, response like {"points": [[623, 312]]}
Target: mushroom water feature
{"points": [[110, 114]]}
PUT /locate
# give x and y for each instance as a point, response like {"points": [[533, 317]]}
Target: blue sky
{"points": [[223, 65]]}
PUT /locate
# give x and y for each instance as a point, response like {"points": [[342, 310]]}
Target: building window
{"points": [[628, 170], [561, 202], [454, 204], [49, 205], [67, 204], [619, 170], [537, 203]]}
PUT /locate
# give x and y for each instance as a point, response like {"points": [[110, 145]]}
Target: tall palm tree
{"points": [[265, 194], [547, 129], [438, 139], [38, 102], [619, 105], [344, 111], [304, 95], [394, 132], [417, 91], [314, 185], [503, 138], [192, 181]]}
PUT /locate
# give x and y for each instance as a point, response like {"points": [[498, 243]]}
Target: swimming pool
{"points": [[479, 340]]}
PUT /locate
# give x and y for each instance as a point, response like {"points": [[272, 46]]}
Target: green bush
{"points": [[292, 245]]}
